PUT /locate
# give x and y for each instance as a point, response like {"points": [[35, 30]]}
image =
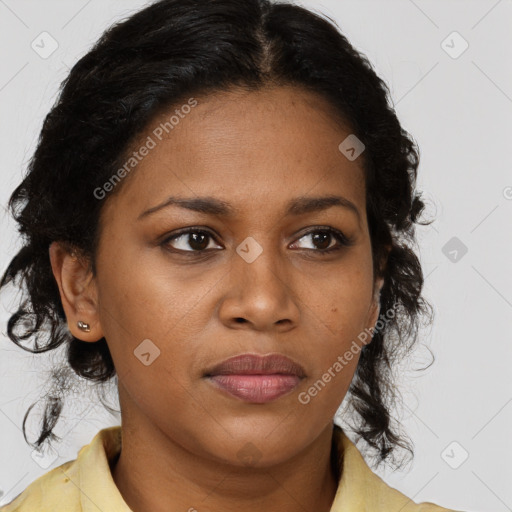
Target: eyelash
{"points": [[342, 240]]}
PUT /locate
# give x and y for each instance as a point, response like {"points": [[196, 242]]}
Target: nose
{"points": [[260, 295]]}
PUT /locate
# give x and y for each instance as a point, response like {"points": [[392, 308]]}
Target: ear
{"points": [[78, 291], [374, 309]]}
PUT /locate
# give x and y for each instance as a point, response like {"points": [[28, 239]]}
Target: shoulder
{"points": [[84, 483], [49, 492], [363, 490]]}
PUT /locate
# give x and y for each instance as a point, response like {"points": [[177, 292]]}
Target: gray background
{"points": [[458, 107]]}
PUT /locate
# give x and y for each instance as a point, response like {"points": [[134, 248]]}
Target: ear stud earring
{"points": [[83, 326]]}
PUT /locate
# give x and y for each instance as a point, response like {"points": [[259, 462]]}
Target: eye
{"points": [[196, 239], [322, 238]]}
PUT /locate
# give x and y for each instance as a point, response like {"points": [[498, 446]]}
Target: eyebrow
{"points": [[212, 206]]}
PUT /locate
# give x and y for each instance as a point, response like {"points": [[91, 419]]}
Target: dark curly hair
{"points": [[150, 61]]}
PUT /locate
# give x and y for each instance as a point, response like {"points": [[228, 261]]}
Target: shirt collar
{"points": [[359, 489], [97, 486]]}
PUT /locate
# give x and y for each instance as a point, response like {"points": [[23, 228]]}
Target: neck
{"points": [[155, 473]]}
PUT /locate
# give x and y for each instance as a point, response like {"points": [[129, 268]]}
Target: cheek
{"points": [[340, 302], [153, 313], [152, 298], [338, 311], [148, 323], [324, 391]]}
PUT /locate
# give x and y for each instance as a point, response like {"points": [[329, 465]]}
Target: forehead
{"points": [[247, 147]]}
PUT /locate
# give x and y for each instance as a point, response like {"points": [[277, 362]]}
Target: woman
{"points": [[220, 213]]}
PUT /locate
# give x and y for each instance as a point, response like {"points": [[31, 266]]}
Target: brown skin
{"points": [[181, 436]]}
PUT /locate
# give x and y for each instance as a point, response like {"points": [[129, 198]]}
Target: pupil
{"points": [[321, 238], [197, 241]]}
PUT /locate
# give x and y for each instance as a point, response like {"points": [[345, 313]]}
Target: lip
{"points": [[255, 378], [255, 364]]}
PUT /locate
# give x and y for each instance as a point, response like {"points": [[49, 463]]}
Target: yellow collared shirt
{"points": [[86, 484]]}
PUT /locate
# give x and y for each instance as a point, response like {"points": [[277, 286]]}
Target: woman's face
{"points": [[250, 279]]}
